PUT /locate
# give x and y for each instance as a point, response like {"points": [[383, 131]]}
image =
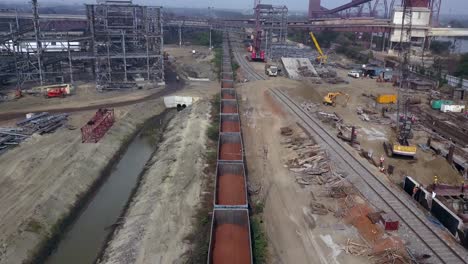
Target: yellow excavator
{"points": [[330, 98], [322, 58]]}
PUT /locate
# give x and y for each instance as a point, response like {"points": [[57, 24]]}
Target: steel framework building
{"points": [[127, 42], [122, 44], [274, 20]]}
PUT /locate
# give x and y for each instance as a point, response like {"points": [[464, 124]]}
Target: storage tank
{"points": [[436, 104]]}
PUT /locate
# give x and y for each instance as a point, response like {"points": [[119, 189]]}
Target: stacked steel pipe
{"points": [[41, 123], [230, 241]]}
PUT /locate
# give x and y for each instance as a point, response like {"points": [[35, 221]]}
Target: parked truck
{"points": [[271, 70]]}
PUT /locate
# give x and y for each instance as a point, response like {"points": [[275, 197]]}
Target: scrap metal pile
{"points": [[38, 123]]}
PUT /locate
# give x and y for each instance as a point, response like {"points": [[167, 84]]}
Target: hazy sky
{"points": [[448, 6]]}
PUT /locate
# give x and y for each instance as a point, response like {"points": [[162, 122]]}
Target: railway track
{"points": [[252, 75], [393, 199]]}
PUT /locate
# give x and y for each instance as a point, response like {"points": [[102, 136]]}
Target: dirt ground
{"points": [[44, 177], [159, 217], [85, 95], [294, 234], [189, 65], [372, 135]]}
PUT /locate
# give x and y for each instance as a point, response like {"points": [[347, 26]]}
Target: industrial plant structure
{"points": [[119, 45]]}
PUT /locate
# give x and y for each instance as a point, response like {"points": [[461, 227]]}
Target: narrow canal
{"points": [[83, 240], [85, 237]]}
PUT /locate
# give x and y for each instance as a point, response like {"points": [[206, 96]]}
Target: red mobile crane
{"points": [[257, 53]]}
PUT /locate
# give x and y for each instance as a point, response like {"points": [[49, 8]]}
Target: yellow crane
{"points": [[322, 58]]}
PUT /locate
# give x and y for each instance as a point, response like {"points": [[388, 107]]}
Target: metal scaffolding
{"points": [[121, 45], [127, 43], [274, 21]]}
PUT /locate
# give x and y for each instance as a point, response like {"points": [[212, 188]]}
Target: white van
{"points": [[354, 73]]}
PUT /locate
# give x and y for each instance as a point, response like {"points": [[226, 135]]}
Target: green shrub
{"points": [[213, 132], [34, 226], [259, 241]]}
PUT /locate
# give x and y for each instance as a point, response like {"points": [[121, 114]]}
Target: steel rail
{"points": [[405, 210], [254, 76]]}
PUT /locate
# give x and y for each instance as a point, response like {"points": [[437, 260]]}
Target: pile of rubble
{"points": [[370, 115], [325, 72], [312, 168], [36, 124], [390, 255], [304, 71]]}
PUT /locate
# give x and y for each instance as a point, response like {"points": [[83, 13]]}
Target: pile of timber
{"points": [[356, 249], [310, 165], [390, 256], [38, 123]]}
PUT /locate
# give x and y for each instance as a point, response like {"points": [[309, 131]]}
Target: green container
{"points": [[437, 104]]}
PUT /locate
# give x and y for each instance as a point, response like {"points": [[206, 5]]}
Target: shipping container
{"points": [[452, 108], [387, 99], [436, 104], [230, 186], [230, 239]]}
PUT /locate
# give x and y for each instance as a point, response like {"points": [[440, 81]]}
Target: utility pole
{"points": [[70, 60], [180, 35], [124, 56], [37, 33], [210, 37]]}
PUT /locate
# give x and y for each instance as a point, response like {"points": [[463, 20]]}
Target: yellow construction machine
{"points": [[402, 146], [322, 58], [330, 98]]}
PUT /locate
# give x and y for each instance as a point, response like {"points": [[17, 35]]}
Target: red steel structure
{"points": [[97, 127], [257, 53]]}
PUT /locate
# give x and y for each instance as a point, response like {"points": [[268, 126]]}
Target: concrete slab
{"points": [[291, 65]]}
